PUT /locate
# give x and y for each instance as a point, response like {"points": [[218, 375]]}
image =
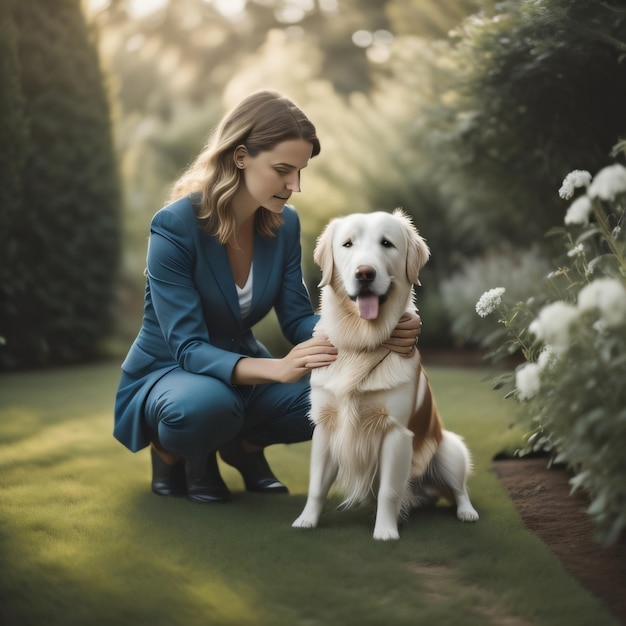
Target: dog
{"points": [[377, 428]]}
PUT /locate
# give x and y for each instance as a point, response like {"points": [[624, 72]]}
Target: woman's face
{"points": [[270, 177]]}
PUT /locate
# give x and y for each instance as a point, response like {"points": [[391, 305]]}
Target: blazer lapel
{"points": [[220, 268], [263, 258]]}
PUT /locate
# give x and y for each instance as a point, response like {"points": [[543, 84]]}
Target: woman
{"points": [[221, 255]]}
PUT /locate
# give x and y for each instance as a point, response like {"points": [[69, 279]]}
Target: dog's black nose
{"points": [[365, 274]]}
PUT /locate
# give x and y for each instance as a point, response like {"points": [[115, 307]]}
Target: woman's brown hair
{"points": [[260, 122]]}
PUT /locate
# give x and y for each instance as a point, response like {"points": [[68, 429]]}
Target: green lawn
{"points": [[83, 540]]}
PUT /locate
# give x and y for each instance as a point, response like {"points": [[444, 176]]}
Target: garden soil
{"points": [[542, 498]]}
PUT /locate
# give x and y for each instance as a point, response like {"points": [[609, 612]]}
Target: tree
{"points": [[535, 90], [57, 290]]}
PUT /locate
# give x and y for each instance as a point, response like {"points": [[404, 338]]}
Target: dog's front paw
{"points": [[304, 522], [467, 514], [386, 534]]}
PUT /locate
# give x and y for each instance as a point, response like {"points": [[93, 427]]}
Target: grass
{"points": [[83, 541]]}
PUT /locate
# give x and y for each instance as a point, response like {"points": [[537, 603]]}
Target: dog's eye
{"points": [[347, 244], [385, 243]]}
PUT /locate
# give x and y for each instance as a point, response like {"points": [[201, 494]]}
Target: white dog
{"points": [[378, 431]]}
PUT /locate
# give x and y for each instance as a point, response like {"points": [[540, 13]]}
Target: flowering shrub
{"points": [[518, 271], [572, 335]]}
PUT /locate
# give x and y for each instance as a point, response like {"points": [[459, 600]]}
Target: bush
{"points": [[518, 271], [521, 114], [571, 387], [58, 265]]}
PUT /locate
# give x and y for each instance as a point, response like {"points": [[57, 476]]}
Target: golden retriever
{"points": [[378, 432]]}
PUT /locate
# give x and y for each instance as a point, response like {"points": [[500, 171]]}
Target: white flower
{"points": [[579, 211], [489, 301], [552, 325], [577, 178], [527, 381], [576, 250], [608, 295], [608, 182], [600, 326], [547, 358]]}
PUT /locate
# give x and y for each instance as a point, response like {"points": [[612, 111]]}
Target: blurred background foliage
{"points": [[467, 113], [60, 197]]}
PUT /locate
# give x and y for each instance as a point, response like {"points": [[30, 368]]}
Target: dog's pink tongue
{"points": [[368, 306]]}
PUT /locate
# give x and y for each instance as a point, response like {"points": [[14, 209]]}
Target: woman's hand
{"points": [[308, 355], [300, 360], [403, 339]]}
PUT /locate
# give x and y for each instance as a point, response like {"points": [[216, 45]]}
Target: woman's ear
{"points": [[239, 156]]}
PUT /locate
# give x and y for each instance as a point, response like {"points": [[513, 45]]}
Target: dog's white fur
{"points": [[378, 431]]}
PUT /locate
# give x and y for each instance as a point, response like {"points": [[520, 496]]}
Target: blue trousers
{"points": [[192, 414]]}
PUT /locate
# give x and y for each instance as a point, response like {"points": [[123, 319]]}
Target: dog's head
{"points": [[368, 255]]}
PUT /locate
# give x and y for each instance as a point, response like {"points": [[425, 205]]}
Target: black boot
{"points": [[167, 480], [204, 482], [253, 467]]}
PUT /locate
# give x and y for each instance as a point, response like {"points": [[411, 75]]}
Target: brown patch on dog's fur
{"points": [[425, 423]]}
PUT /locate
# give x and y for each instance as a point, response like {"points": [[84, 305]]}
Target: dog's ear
{"points": [[418, 252], [323, 253]]}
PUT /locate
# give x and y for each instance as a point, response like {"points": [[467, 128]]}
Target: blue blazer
{"points": [[191, 315]]}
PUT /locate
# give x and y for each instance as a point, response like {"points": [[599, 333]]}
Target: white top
{"points": [[245, 295]]}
